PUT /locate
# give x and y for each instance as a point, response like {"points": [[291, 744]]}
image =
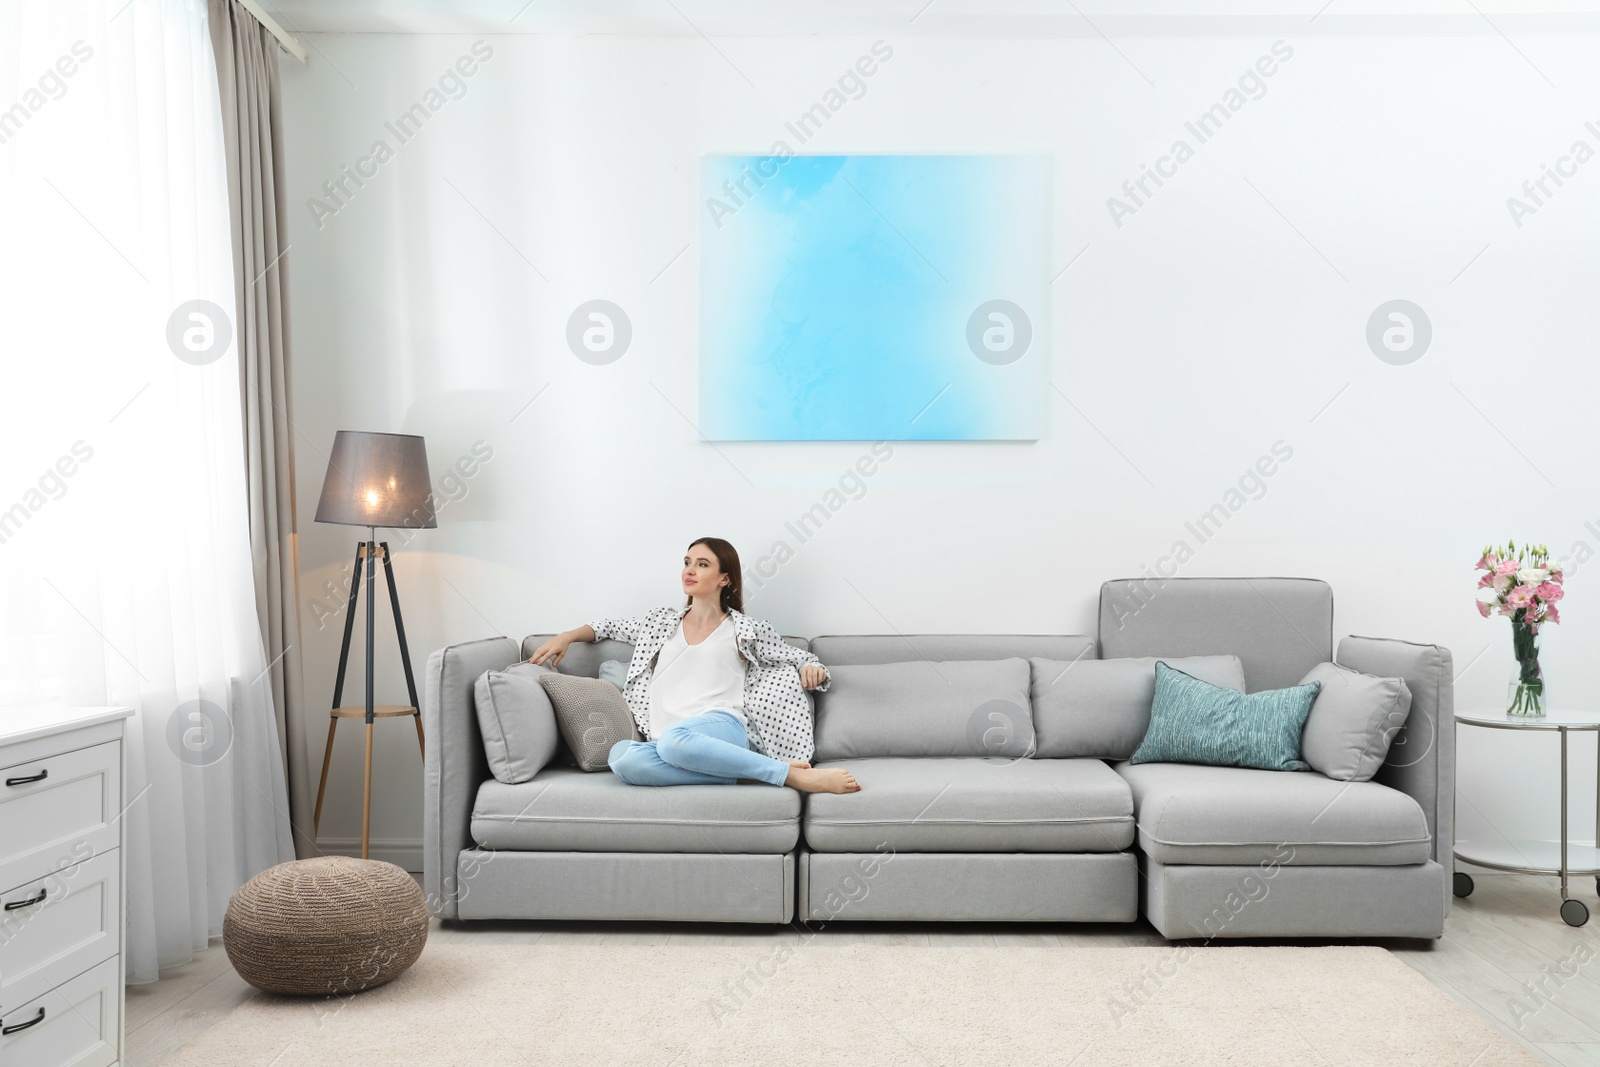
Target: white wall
{"points": [[1226, 315]]}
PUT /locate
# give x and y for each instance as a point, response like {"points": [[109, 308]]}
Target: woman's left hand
{"points": [[813, 675]]}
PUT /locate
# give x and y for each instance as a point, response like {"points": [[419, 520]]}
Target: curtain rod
{"points": [[285, 38]]}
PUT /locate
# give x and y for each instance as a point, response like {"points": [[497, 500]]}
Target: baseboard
{"points": [[405, 853]]}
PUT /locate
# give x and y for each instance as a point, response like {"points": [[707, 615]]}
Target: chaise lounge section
{"points": [[1234, 852]]}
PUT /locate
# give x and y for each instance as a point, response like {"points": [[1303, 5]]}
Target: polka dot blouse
{"points": [[775, 702]]}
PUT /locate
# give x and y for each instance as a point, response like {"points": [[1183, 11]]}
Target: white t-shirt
{"points": [[690, 679]]}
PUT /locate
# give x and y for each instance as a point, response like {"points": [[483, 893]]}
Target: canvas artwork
{"points": [[849, 298]]}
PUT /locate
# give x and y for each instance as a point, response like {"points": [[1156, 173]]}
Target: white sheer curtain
{"points": [[125, 572]]}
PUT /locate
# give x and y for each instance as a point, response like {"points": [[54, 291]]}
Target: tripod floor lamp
{"points": [[373, 480]]}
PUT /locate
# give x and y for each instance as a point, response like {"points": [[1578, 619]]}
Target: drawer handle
{"points": [[41, 776], [35, 1021], [15, 904]]}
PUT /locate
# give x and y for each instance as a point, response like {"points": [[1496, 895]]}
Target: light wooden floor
{"points": [[1505, 935]]}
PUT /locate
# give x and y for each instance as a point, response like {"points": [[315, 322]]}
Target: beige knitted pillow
{"points": [[592, 716]]}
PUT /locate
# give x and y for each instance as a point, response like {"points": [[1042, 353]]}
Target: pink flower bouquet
{"points": [[1525, 587]]}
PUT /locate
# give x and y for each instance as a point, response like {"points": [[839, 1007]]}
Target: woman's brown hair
{"points": [[728, 561]]}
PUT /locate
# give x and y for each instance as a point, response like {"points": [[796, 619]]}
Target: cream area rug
{"points": [[784, 1003]]}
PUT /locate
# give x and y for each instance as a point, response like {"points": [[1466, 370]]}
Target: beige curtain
{"points": [[252, 119]]}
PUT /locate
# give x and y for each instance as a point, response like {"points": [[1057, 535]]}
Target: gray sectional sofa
{"points": [[1015, 803]]}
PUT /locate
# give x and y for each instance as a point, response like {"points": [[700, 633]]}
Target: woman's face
{"points": [[702, 574]]}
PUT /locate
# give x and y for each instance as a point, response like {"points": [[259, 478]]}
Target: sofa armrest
{"points": [[454, 764], [1422, 757]]}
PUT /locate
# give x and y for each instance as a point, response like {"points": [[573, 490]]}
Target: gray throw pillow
{"points": [[592, 717], [1100, 708], [1353, 721], [923, 708], [516, 720]]}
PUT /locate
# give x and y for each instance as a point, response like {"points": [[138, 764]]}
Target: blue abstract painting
{"points": [[850, 298]]}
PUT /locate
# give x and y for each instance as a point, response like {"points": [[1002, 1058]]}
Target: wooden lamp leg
{"points": [[322, 787], [421, 745]]}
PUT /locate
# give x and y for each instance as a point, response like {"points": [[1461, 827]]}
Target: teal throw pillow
{"points": [[1196, 722]]}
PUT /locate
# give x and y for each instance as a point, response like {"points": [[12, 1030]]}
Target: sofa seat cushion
{"points": [[1239, 816], [563, 809], [973, 805]]}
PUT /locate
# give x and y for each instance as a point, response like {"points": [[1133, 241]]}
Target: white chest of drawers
{"points": [[61, 887]]}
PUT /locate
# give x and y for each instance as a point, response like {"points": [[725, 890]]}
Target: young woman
{"points": [[719, 694]]}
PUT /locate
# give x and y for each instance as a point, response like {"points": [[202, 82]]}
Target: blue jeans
{"points": [[706, 749]]}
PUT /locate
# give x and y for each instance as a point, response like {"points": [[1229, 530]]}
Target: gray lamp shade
{"points": [[377, 479]]}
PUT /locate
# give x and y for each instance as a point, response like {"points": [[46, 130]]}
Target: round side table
{"points": [[1536, 857]]}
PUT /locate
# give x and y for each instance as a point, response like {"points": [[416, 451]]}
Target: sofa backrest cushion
{"points": [[1100, 708], [1278, 627], [925, 708], [520, 736], [849, 649], [584, 657]]}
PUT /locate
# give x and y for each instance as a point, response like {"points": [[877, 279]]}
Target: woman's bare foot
{"points": [[823, 780], [800, 763]]}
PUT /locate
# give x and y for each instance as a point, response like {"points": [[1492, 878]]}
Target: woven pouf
{"points": [[323, 926]]}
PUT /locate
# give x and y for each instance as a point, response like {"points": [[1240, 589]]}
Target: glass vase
{"points": [[1525, 696], [1525, 700]]}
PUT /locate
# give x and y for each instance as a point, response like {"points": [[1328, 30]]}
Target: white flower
{"points": [[1488, 595], [1533, 575]]}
